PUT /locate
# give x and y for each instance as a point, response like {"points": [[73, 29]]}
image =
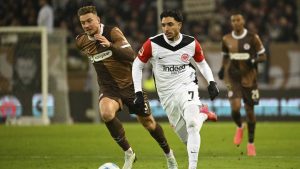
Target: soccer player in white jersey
{"points": [[170, 54]]}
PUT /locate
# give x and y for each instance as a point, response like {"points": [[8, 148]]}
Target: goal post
{"points": [[38, 102], [44, 76]]}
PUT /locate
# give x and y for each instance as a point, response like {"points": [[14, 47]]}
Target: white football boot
{"points": [[171, 161], [129, 160]]}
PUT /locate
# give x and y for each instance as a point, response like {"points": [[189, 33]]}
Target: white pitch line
{"points": [[148, 157]]}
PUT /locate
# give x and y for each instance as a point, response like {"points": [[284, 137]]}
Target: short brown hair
{"points": [[87, 9]]}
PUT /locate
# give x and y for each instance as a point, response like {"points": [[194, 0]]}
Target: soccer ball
{"points": [[109, 166]]}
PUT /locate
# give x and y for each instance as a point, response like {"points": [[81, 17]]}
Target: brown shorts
{"points": [[250, 95], [125, 97]]}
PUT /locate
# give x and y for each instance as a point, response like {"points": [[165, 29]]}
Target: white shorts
{"points": [[175, 104]]}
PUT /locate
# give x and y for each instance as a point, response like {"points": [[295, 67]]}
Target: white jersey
{"points": [[171, 62], [175, 77]]}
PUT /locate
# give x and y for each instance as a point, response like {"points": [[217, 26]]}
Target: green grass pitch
{"points": [[87, 146]]}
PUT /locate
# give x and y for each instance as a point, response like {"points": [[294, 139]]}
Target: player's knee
{"points": [[192, 119], [148, 123], [249, 108], [192, 125], [108, 109], [235, 108], [107, 116], [235, 113], [251, 117]]}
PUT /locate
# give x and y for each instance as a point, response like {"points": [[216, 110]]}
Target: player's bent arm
{"points": [[137, 74], [205, 71], [120, 46], [78, 41], [261, 58], [79, 44], [258, 45]]}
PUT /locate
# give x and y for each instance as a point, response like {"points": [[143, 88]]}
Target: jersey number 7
{"points": [[191, 93]]}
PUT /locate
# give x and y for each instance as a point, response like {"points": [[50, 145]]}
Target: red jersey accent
{"points": [[199, 56], [145, 53]]}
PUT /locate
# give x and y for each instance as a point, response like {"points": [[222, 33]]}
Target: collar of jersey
{"points": [[173, 43], [245, 31], [101, 32]]}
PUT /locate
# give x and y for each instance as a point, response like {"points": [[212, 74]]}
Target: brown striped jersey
{"points": [[112, 64], [238, 50]]}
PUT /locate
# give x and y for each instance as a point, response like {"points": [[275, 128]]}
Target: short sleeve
{"points": [[225, 51], [258, 45]]}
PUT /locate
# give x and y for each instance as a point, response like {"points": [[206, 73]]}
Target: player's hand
{"points": [[251, 63], [139, 102], [103, 41], [213, 90], [221, 73]]}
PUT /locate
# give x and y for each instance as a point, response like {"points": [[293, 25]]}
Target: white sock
{"points": [[194, 120], [193, 147], [170, 154], [129, 151]]}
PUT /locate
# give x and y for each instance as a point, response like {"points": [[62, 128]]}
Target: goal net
{"points": [[33, 86]]}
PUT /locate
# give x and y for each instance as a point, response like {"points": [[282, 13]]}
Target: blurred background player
{"points": [[170, 54], [242, 50], [46, 16], [112, 57]]}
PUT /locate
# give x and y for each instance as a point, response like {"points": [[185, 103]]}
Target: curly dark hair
{"points": [[176, 14]]}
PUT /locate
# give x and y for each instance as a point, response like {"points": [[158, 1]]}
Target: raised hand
{"points": [[103, 41]]}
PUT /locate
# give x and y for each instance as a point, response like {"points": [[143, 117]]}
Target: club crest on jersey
{"points": [[185, 57], [246, 46]]}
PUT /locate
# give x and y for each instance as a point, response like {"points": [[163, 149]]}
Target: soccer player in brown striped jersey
{"points": [[242, 50], [112, 57]]}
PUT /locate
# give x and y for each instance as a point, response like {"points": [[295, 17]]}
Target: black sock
{"points": [[236, 116], [118, 133], [159, 136], [251, 131]]}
